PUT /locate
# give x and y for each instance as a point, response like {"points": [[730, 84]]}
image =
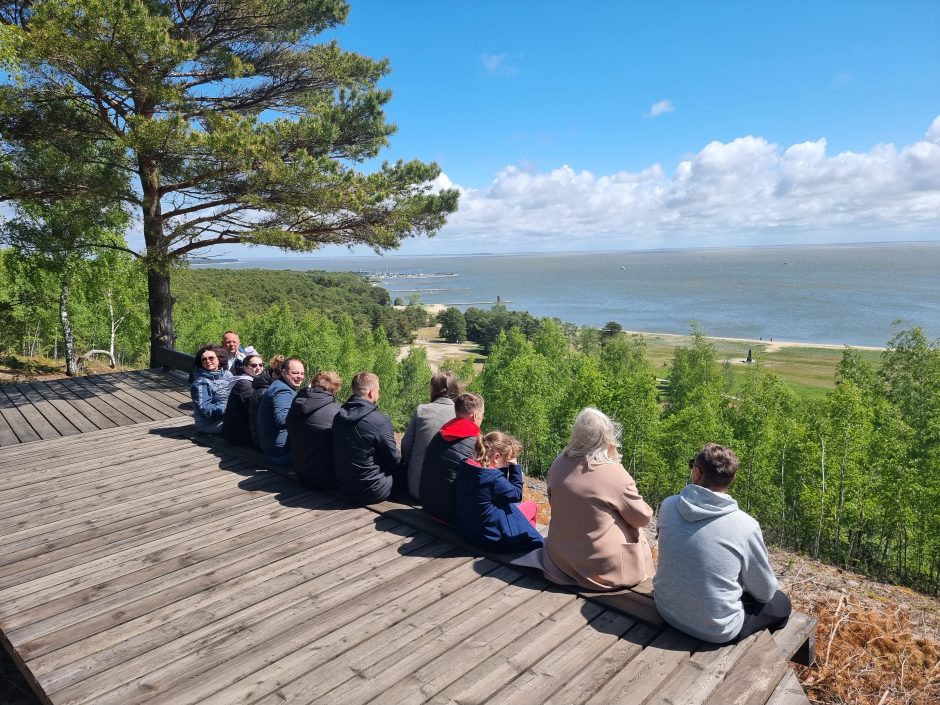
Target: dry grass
{"points": [[868, 655]]}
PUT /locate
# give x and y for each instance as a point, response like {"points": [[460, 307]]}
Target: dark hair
{"points": [[718, 465], [327, 380], [467, 404], [247, 358], [444, 384], [219, 351]]}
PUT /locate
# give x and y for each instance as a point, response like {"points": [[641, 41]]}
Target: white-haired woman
{"points": [[595, 538]]}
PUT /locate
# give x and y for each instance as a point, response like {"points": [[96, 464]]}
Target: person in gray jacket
{"points": [[714, 579], [427, 421]]}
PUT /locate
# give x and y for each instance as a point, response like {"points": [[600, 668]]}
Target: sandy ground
{"points": [[768, 345]]}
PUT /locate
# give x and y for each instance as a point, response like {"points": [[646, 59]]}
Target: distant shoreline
{"points": [[768, 345]]}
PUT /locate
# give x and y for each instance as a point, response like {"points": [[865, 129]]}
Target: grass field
{"points": [[809, 370]]}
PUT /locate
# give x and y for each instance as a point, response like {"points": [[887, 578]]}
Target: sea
{"points": [[859, 295]]}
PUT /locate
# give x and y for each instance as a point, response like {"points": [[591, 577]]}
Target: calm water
{"points": [[845, 294]]}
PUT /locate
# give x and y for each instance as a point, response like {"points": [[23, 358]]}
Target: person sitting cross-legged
{"points": [[714, 579]]}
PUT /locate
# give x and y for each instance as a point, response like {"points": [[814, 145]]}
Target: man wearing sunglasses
{"points": [[714, 579]]}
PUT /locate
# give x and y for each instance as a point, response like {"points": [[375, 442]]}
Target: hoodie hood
{"points": [[311, 400], [696, 503], [456, 429], [261, 381], [201, 373], [355, 409]]}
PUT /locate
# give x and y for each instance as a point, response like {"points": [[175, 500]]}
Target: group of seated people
{"points": [[713, 579]]}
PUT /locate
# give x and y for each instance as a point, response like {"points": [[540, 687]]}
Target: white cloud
{"points": [[499, 64], [660, 107], [747, 190]]}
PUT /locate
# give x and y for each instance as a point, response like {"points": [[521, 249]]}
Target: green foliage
{"points": [[234, 123], [853, 478], [484, 327], [453, 325]]}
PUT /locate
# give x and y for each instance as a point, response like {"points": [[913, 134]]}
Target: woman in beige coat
{"points": [[595, 538]]}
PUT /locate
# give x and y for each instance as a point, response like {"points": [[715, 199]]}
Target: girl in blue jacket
{"points": [[489, 489]]}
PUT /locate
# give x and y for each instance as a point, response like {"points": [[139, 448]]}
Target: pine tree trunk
{"points": [[68, 340], [159, 297]]}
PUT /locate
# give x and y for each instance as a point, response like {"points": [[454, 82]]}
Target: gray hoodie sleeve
{"points": [[757, 577]]}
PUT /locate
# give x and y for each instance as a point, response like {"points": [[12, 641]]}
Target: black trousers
{"points": [[771, 615]]}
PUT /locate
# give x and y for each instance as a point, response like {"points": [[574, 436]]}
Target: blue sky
{"points": [[621, 125]]}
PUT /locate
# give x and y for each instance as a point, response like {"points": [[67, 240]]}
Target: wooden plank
{"points": [[645, 674], [160, 474], [83, 539], [35, 567], [175, 383], [174, 396], [94, 408], [152, 460], [16, 421], [92, 443], [788, 692], [327, 662], [797, 640], [59, 421], [144, 401], [122, 639], [97, 516], [119, 401], [538, 663], [597, 672], [33, 416], [155, 672], [629, 603], [697, 677], [441, 660], [154, 585], [242, 669], [755, 676], [561, 664], [77, 419], [7, 436], [15, 599]]}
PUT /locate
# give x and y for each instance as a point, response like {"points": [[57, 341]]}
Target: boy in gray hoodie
{"points": [[714, 579]]}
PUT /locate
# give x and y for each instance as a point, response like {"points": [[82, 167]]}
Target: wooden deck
{"points": [[137, 566], [37, 411]]}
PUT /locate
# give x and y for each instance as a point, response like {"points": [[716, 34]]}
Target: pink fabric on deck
{"points": [[529, 510]]}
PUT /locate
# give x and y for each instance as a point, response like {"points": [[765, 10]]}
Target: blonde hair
{"points": [[593, 436], [496, 442], [362, 382]]}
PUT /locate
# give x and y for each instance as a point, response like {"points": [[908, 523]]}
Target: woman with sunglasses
{"points": [[210, 389], [235, 425]]}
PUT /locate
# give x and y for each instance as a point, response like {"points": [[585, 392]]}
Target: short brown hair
{"points": [[444, 384], [362, 382], [718, 465], [467, 404], [327, 380]]}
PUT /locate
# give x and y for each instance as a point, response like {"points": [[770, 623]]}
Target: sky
{"points": [[616, 125]]}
